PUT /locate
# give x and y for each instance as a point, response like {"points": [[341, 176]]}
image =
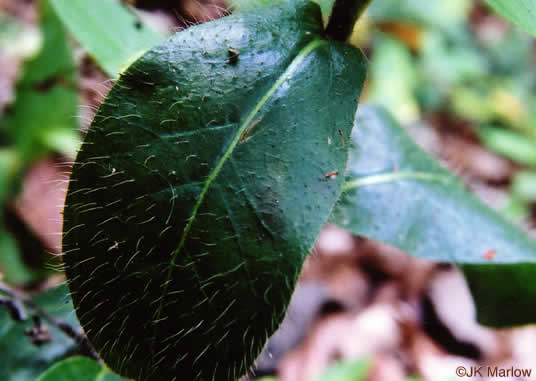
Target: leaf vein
{"points": [[393, 177], [300, 57]]}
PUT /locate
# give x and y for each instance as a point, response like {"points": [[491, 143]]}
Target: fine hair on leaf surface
{"points": [[201, 187]]}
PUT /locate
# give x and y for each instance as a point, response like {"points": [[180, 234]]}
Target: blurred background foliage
{"points": [[38, 119], [453, 67], [459, 62]]}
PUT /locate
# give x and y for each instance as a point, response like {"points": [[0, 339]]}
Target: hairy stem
{"points": [[20, 299], [343, 18]]}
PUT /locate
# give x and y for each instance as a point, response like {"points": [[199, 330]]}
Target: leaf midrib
{"points": [[300, 57], [390, 177]]}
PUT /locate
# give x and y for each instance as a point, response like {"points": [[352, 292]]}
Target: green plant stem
{"points": [[343, 18]]}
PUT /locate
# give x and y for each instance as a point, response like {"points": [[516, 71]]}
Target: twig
{"points": [[18, 299], [343, 18], [15, 310]]}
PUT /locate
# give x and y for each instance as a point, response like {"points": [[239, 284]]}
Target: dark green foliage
{"points": [[504, 293], [398, 194], [21, 360], [201, 187]]}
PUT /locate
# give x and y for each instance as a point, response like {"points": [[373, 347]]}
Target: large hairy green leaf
{"points": [[79, 369], [248, 5], [200, 188], [23, 361], [398, 194], [520, 12], [112, 34]]}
